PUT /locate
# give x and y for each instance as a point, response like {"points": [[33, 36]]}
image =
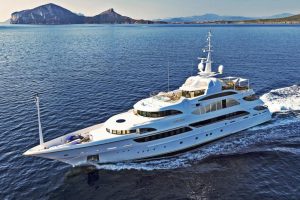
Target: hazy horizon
{"points": [[156, 9]]}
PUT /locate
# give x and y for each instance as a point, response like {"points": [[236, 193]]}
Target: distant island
{"points": [[52, 14], [211, 17], [295, 19]]}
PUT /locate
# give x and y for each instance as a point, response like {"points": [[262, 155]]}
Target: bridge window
{"points": [[223, 94], [158, 114]]}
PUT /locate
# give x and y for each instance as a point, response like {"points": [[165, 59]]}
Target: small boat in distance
{"points": [[205, 108]]}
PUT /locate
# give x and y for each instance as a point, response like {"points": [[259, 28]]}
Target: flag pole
{"points": [[37, 101]]}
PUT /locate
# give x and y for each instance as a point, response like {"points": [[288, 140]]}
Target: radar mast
{"points": [[205, 65]]}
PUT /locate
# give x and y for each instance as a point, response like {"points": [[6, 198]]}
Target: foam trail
{"points": [[276, 123], [283, 99]]}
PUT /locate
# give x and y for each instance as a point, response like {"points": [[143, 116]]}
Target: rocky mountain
{"points": [[54, 14], [46, 14], [111, 17]]}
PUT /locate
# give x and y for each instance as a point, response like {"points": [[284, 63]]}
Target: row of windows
{"points": [[218, 105], [223, 94], [158, 114], [163, 134], [124, 132], [192, 94], [219, 118]]}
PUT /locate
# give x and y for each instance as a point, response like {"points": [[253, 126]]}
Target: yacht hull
{"points": [[127, 150]]}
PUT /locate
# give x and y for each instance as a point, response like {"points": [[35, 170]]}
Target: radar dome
{"points": [[221, 69], [201, 67]]}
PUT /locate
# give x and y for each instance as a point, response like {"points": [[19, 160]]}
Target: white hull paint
{"points": [[129, 150]]}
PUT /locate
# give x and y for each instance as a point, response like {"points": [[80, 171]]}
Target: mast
{"points": [[208, 50], [205, 65], [37, 102]]}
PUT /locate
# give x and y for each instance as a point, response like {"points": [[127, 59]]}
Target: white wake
{"points": [[283, 99]]}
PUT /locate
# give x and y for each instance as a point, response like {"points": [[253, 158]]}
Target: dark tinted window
{"points": [[218, 95], [93, 158], [219, 118], [163, 134], [260, 108], [158, 114], [146, 130], [251, 98]]}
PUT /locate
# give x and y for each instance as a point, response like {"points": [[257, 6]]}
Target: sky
{"points": [[155, 9]]}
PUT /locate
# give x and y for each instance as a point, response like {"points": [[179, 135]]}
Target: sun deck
{"points": [[235, 83]]}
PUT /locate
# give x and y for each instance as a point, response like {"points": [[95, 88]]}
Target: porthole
{"points": [[164, 146], [181, 142], [221, 130], [93, 158], [210, 134], [206, 134], [196, 138], [120, 120]]}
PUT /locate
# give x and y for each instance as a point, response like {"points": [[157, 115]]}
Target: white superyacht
{"points": [[205, 108]]}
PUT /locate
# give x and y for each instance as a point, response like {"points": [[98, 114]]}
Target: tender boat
{"points": [[205, 108]]}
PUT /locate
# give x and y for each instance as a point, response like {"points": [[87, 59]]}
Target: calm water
{"points": [[86, 74]]}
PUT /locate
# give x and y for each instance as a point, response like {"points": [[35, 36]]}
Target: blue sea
{"points": [[87, 73]]}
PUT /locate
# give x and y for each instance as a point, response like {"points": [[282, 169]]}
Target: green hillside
{"points": [[295, 19]]}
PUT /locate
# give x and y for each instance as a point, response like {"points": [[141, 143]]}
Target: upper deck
{"points": [[195, 86]]}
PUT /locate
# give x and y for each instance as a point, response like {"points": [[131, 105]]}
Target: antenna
{"points": [[168, 76], [192, 67], [37, 102]]}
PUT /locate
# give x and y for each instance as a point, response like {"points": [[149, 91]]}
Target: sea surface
{"points": [[87, 73]]}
